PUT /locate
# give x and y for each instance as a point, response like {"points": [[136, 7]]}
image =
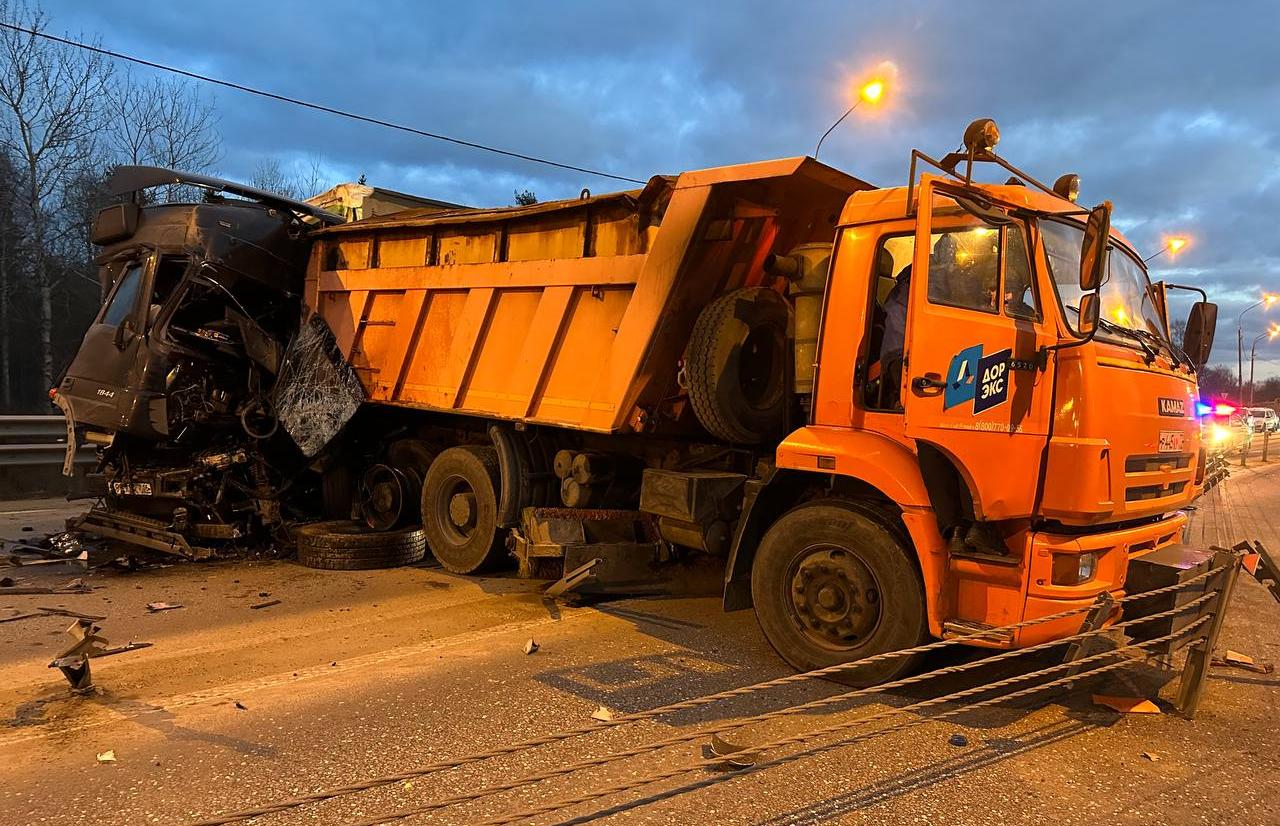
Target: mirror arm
{"points": [[1203, 295]]}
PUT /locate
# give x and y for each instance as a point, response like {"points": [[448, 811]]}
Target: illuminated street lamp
{"points": [[1269, 335], [1173, 245], [871, 92], [1267, 299]]}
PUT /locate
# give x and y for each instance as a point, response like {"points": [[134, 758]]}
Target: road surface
{"points": [[355, 676]]}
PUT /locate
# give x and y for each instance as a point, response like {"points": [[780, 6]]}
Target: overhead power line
{"points": [[316, 106]]}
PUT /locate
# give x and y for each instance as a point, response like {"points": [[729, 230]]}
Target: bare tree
{"points": [[163, 122], [51, 98], [269, 175], [525, 197]]}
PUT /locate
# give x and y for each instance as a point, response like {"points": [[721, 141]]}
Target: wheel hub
{"points": [[462, 510], [835, 597]]}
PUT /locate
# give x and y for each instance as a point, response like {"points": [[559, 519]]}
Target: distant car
{"points": [[1226, 428], [1265, 419]]}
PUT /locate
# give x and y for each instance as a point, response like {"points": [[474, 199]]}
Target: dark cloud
{"points": [[1171, 111]]}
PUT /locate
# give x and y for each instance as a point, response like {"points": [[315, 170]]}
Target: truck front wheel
{"points": [[831, 584], [460, 508]]}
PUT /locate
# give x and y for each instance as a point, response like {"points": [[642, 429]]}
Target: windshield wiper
{"points": [[1160, 342], [1124, 331]]}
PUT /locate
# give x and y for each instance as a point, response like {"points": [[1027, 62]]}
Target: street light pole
{"points": [[1253, 354], [1266, 299], [870, 92]]}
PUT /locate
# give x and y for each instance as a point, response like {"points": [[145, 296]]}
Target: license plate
{"points": [[1170, 441], [131, 489]]}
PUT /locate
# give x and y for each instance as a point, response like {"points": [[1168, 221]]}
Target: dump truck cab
{"points": [[1062, 408]]}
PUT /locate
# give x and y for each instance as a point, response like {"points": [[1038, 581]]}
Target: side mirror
{"points": [[1090, 312], [1093, 250], [1202, 324]]}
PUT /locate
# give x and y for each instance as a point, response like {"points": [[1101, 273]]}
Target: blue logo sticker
{"points": [[984, 381], [962, 377], [993, 381]]}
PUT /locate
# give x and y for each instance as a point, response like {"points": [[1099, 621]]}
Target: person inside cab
{"points": [[961, 273]]}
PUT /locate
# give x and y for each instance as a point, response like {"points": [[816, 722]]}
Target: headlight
{"points": [[1074, 569]]}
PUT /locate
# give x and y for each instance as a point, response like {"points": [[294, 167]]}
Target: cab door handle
{"points": [[930, 384]]}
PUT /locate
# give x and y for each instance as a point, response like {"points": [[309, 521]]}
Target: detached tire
{"points": [[342, 545], [735, 365], [831, 584], [460, 508]]}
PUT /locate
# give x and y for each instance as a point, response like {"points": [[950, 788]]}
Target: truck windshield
{"points": [[1126, 293]]}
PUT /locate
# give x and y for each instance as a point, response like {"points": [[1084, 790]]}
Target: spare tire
{"points": [[735, 365], [343, 545]]}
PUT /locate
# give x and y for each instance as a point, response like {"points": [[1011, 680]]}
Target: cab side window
{"points": [[964, 268], [1020, 299], [125, 297]]}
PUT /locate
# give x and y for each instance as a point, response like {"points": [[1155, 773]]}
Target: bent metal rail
{"points": [[1197, 638]]}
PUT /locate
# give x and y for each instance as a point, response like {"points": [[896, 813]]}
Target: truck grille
{"points": [[1137, 493], [1157, 461]]}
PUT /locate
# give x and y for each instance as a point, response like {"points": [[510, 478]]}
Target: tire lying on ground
{"points": [[342, 545], [735, 365]]}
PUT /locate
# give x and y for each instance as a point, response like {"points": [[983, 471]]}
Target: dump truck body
{"points": [[573, 314]]}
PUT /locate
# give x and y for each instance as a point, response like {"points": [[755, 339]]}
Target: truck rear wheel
{"points": [[735, 365], [831, 584], [460, 508]]}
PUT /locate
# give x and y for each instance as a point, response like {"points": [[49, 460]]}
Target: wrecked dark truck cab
{"points": [[175, 380]]}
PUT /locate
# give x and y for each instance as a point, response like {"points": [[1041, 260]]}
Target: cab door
{"points": [[973, 385]]}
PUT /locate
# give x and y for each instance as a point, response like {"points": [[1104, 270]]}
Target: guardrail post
{"points": [[1266, 440], [1199, 654]]}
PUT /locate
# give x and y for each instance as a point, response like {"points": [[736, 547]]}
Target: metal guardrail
{"points": [[29, 441]]}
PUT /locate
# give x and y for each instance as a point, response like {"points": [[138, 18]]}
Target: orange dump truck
{"points": [[717, 363]]}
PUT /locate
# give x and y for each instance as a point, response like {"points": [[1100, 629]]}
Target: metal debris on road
{"points": [[87, 643], [108, 756], [531, 647], [736, 757], [1234, 659], [155, 607], [1126, 705], [266, 604], [50, 612], [602, 714], [241, 706], [1146, 755]]}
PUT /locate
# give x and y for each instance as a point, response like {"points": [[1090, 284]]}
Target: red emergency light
{"points": [[1223, 409]]}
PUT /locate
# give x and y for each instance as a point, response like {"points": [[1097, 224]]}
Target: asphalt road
{"points": [[360, 675]]}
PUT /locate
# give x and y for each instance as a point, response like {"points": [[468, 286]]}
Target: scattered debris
{"points": [[1234, 659], [264, 593], [154, 607], [87, 643], [68, 613], [1154, 758], [531, 647], [737, 757], [1126, 705], [266, 604], [958, 740], [17, 617], [602, 714], [241, 706], [50, 612], [108, 756]]}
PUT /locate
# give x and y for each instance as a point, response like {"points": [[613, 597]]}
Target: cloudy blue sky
{"points": [[1171, 110]]}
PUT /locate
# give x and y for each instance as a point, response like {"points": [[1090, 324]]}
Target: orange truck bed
{"points": [[570, 313]]}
